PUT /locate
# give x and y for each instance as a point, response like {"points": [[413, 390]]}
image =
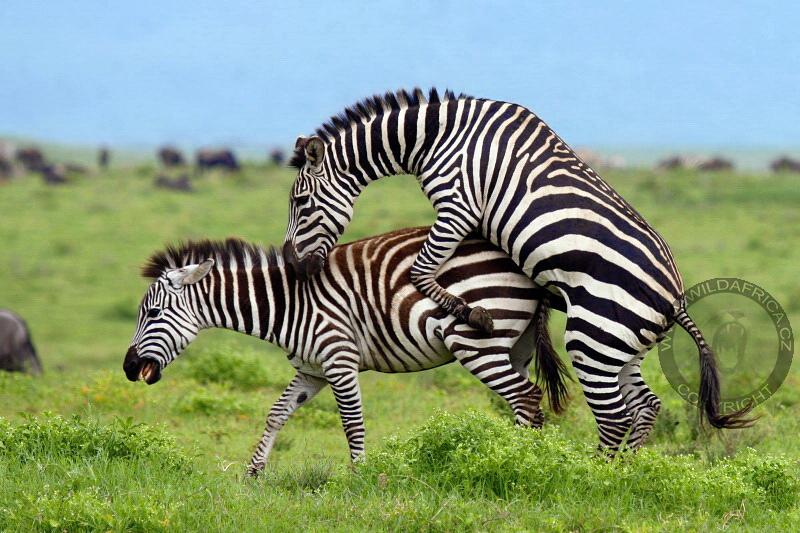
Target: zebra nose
{"points": [[131, 364], [314, 265]]}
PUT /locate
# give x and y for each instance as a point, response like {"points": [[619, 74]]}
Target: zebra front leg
{"points": [[342, 375], [299, 391], [443, 238]]}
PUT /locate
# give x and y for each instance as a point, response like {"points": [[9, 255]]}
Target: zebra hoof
{"points": [[479, 318], [253, 471]]}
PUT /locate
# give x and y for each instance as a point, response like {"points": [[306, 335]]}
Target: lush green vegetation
{"points": [[171, 456]]}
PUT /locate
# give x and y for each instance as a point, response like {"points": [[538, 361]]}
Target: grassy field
{"points": [[441, 454]]}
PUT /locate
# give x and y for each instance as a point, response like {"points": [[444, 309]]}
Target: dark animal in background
{"points": [[170, 156], [54, 174], [6, 169], [17, 353], [103, 157], [224, 159], [715, 164], [785, 164], [31, 159], [181, 183], [277, 157], [671, 163]]}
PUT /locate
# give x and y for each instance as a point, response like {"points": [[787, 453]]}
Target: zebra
{"points": [[361, 313], [497, 169]]}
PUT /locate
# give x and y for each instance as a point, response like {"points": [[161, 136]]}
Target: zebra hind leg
{"points": [[300, 390], [520, 356], [597, 367], [492, 366], [643, 404]]}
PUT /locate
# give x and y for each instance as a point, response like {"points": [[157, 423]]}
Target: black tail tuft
{"points": [[709, 396], [550, 370]]}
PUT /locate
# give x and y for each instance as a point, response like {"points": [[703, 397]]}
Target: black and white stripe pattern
{"points": [[495, 168], [361, 313]]}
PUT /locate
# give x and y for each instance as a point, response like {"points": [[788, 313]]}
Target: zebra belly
{"points": [[412, 351]]}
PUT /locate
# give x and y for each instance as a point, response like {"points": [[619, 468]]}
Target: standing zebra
{"points": [[361, 313], [495, 168]]}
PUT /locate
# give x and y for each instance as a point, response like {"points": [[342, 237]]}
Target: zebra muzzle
{"points": [[313, 265], [305, 268], [149, 371]]}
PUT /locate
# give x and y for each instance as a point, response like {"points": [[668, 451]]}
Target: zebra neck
{"points": [[260, 302], [388, 144]]}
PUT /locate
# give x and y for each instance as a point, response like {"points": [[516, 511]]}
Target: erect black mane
{"points": [[371, 107], [193, 252]]}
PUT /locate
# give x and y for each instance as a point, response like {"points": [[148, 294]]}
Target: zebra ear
{"points": [[300, 142], [190, 273], [315, 150], [198, 272]]}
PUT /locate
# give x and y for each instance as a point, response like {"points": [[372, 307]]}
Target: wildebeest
{"points": [[209, 158], [785, 164], [6, 168], [103, 157], [17, 353], [54, 174], [715, 164], [277, 156], [672, 163], [170, 156], [181, 183], [32, 159]]}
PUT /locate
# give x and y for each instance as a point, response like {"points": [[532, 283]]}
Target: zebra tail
{"points": [[709, 396], [550, 369]]}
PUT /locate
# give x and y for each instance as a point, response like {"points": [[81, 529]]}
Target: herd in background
{"points": [[174, 174], [716, 164], [176, 169], [32, 160]]}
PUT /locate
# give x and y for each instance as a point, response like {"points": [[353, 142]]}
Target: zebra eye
{"points": [[153, 312]]}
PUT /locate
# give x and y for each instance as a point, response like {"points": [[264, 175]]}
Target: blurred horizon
{"points": [[744, 158], [715, 76]]}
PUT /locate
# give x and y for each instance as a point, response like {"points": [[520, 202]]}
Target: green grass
{"points": [[69, 264]]}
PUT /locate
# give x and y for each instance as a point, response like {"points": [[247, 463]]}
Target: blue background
{"points": [[622, 73]]}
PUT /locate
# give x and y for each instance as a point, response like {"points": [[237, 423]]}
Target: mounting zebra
{"points": [[495, 168], [361, 313]]}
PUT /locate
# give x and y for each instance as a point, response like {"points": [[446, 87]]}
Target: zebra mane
{"points": [[370, 108], [193, 252]]}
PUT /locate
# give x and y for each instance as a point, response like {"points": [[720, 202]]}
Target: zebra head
{"points": [[167, 323], [319, 208]]}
